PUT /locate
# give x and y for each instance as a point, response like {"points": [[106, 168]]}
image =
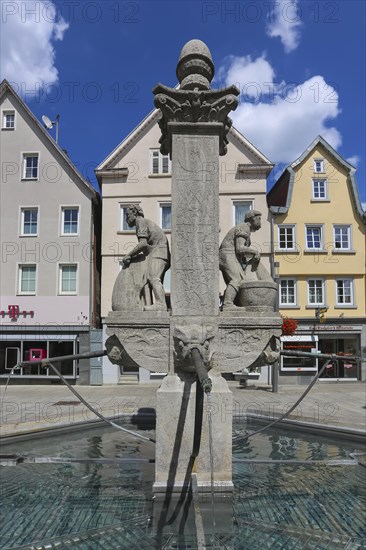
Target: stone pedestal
{"points": [[175, 428]]}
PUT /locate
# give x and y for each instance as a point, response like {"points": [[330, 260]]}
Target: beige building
{"points": [[319, 244], [49, 249], [136, 172]]}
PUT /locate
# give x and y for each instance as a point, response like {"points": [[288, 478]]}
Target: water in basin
{"points": [[93, 506]]}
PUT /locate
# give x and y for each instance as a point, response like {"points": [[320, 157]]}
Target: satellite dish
{"points": [[47, 122]]}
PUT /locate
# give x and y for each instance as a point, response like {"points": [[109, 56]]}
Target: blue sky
{"points": [[300, 66]]}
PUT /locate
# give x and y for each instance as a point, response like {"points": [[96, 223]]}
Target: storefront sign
{"points": [[14, 312], [330, 328]]}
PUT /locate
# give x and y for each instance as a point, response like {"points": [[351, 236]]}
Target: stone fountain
{"points": [[195, 342]]}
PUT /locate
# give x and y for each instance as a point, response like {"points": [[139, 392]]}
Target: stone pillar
{"points": [[195, 215]]}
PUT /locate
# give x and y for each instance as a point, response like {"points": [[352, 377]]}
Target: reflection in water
{"points": [[273, 505]]}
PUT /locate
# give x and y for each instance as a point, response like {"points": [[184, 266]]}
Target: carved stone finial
{"points": [[195, 68], [195, 102]]}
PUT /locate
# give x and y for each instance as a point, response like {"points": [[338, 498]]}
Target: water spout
{"points": [[201, 370]]}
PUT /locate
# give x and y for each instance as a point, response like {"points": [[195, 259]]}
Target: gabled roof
{"points": [[5, 87], [282, 190], [151, 119]]}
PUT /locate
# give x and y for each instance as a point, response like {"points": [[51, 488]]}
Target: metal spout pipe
{"points": [[201, 370]]}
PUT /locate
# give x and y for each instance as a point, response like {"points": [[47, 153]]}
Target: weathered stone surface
{"points": [[241, 340], [142, 340], [175, 424], [195, 229], [129, 287]]}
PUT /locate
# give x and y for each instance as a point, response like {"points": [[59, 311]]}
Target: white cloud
{"points": [[285, 121], [29, 29], [284, 22], [250, 76], [354, 160]]}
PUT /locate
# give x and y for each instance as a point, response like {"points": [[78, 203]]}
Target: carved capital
{"points": [[195, 106]]}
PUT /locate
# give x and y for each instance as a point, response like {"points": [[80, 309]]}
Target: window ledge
{"points": [[345, 306], [341, 251], [27, 236], [313, 306], [8, 129], [126, 232], [315, 251], [287, 250], [67, 294], [289, 307], [168, 231], [29, 179], [319, 200], [154, 176], [69, 235], [26, 294]]}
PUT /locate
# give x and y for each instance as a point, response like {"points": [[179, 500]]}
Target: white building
{"points": [[49, 249], [136, 172]]}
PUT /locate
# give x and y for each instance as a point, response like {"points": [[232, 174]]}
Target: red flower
{"points": [[289, 326]]}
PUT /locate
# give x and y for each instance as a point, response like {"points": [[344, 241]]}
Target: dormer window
{"points": [[159, 164], [318, 166]]}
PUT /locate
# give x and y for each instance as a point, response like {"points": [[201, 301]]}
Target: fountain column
{"points": [[194, 126]]}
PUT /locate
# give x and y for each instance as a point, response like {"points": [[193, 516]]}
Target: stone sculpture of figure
{"points": [[153, 244], [239, 262]]}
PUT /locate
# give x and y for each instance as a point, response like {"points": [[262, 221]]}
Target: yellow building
{"points": [[318, 236]]}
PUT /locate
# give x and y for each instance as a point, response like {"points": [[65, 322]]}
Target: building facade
{"points": [[136, 172], [319, 246], [49, 250]]}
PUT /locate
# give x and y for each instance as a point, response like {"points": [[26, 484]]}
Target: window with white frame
{"points": [[123, 225], [287, 292], [159, 164], [166, 216], [314, 237], [318, 165], [27, 279], [68, 279], [342, 237], [8, 120], [70, 220], [240, 209], [316, 295], [320, 189], [29, 221], [344, 295], [286, 237], [30, 166]]}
